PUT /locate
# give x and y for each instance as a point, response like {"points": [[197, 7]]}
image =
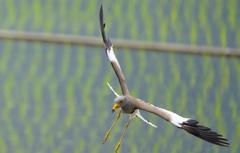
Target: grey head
{"points": [[124, 103]]}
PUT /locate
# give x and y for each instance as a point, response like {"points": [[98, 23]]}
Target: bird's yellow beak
{"points": [[116, 106]]}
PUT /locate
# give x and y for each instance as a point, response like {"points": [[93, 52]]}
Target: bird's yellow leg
{"points": [[120, 141], [107, 134]]}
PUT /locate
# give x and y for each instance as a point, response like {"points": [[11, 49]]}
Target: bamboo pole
{"points": [[131, 44]]}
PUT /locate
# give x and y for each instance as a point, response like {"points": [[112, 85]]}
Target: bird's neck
{"points": [[129, 108]]}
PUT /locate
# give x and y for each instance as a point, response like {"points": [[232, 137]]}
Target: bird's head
{"points": [[119, 102]]}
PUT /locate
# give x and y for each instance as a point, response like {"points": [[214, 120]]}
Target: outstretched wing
{"points": [[189, 125], [111, 56]]}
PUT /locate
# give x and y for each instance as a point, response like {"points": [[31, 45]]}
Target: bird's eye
{"points": [[121, 102]]}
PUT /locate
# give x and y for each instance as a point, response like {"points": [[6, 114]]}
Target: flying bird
{"points": [[130, 105]]}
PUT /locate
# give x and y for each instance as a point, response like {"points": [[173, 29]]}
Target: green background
{"points": [[54, 97]]}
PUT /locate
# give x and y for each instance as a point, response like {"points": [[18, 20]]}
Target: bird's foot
{"points": [[105, 138], [117, 147]]}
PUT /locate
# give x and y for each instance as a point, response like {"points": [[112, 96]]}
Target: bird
{"points": [[130, 105]]}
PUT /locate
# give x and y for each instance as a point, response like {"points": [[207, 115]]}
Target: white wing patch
{"points": [[175, 118], [117, 95], [136, 113], [112, 57]]}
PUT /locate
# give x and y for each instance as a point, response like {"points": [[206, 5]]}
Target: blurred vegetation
{"points": [[54, 97]]}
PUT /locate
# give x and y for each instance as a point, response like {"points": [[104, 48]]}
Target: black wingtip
{"points": [[106, 41], [204, 133]]}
